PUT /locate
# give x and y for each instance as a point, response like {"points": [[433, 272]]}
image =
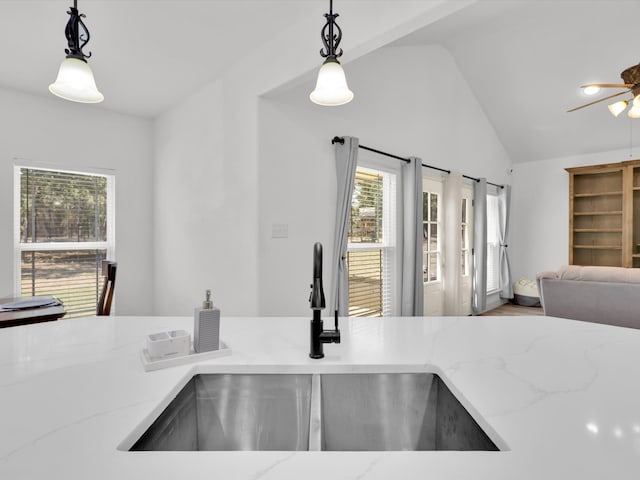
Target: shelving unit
{"points": [[596, 230], [634, 205], [609, 212], [604, 214], [597, 194]]}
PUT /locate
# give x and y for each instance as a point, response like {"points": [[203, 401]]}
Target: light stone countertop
{"points": [[560, 397]]}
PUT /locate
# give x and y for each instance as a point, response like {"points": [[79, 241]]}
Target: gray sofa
{"points": [[608, 295]]}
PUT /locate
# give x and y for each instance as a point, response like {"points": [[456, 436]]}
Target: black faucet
{"points": [[316, 299]]}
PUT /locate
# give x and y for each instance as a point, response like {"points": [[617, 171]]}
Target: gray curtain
{"points": [[412, 294], [504, 202], [452, 192], [479, 286], [346, 155]]}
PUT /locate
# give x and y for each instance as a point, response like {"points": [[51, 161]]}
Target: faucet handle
{"points": [[330, 336]]}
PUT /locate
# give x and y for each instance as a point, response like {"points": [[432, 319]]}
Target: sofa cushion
{"points": [[599, 274]]}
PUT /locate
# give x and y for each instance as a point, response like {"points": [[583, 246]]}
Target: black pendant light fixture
{"points": [[331, 86], [75, 80]]}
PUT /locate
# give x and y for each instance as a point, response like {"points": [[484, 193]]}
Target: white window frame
{"points": [[19, 247], [390, 225], [438, 222]]}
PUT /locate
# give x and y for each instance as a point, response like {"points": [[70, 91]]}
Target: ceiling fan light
{"points": [[634, 112], [591, 89], [618, 107]]}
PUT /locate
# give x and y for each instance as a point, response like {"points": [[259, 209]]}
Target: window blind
{"points": [[371, 242], [74, 276], [62, 207], [367, 208], [65, 231], [365, 283]]}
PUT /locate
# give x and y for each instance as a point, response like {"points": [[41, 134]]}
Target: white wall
{"points": [[66, 135], [539, 234], [207, 161], [205, 203], [411, 101]]}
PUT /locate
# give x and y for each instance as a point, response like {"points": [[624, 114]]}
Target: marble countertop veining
{"points": [[560, 397]]}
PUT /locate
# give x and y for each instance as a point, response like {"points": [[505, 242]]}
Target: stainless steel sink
{"points": [[395, 411], [333, 412], [234, 412]]}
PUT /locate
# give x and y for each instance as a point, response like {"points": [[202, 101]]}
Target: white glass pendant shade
{"points": [[618, 107], [75, 82], [331, 87], [634, 112]]}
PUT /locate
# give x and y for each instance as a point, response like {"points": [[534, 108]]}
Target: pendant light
{"points": [[75, 80], [331, 86]]}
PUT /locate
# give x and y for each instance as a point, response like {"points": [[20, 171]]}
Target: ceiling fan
{"points": [[631, 79]]}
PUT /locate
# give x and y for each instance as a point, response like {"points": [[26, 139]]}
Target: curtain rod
{"points": [[340, 140]]}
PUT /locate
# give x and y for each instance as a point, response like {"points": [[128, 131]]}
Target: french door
{"points": [[466, 227], [432, 243], [437, 250]]}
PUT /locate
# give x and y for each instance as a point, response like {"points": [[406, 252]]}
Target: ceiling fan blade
{"points": [[596, 101], [609, 85]]}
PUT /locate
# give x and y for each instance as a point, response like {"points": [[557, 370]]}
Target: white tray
{"points": [[153, 364]]}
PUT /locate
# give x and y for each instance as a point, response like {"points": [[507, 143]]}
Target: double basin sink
{"points": [[316, 412]]}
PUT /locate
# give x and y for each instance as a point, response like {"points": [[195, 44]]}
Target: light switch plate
{"points": [[279, 230]]}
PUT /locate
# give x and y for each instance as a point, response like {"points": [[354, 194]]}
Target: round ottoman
{"points": [[525, 293]]}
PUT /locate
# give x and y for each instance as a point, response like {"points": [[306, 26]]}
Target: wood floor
{"points": [[510, 310]]}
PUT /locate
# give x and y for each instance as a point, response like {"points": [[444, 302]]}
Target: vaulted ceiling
{"points": [[523, 59]]}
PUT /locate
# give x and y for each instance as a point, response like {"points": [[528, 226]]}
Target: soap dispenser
{"points": [[206, 329]]}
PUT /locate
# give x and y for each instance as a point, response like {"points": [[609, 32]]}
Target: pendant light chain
{"points": [[330, 39], [77, 34]]}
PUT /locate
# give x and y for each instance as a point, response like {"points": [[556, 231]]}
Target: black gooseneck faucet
{"points": [[319, 336]]}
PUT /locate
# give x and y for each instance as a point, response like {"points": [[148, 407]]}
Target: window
{"points": [[493, 244], [371, 243], [64, 229], [431, 237]]}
